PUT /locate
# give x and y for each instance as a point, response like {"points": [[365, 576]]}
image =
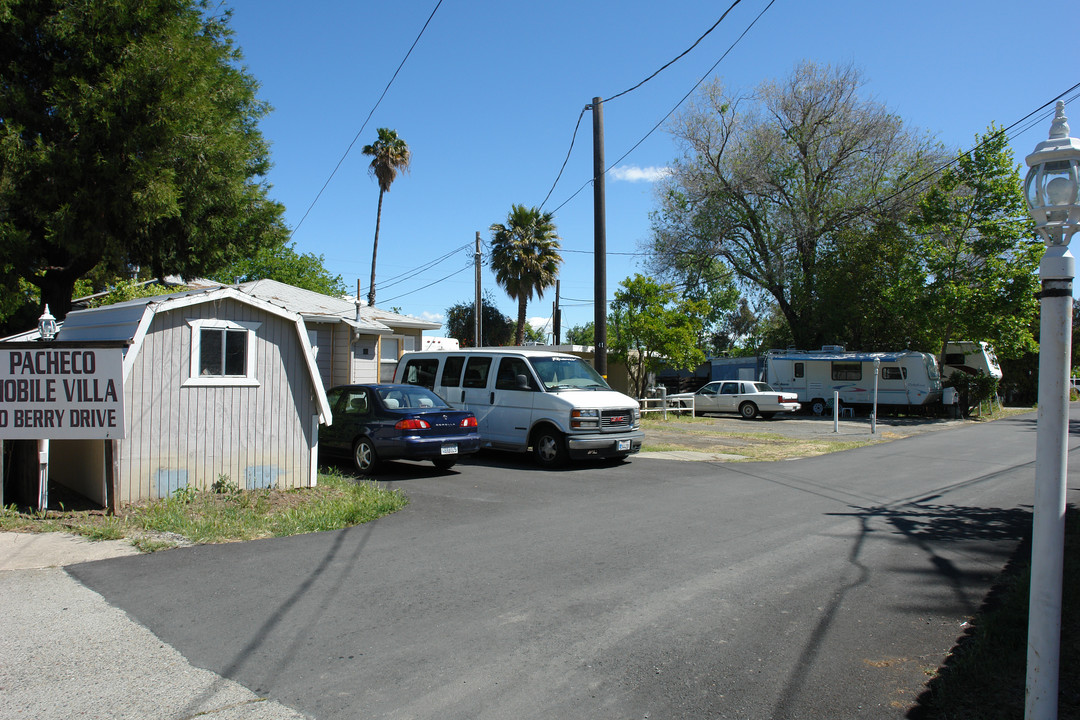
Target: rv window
{"points": [[800, 369], [893, 373], [476, 372], [954, 358], [846, 371], [451, 374], [421, 372]]}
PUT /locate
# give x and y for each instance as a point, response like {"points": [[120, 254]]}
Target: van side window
{"points": [[513, 375], [476, 372], [800, 369], [421, 372], [847, 371], [451, 374], [893, 373]]}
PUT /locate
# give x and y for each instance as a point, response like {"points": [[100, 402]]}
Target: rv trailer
{"points": [[971, 358], [906, 378]]}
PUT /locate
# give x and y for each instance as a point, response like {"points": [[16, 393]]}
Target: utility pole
{"points": [[478, 306], [556, 318], [599, 240]]}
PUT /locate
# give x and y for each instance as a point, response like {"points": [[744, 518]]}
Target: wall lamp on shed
{"points": [[46, 325]]}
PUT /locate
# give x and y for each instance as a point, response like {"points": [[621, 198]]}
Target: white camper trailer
{"points": [[971, 358], [905, 378]]}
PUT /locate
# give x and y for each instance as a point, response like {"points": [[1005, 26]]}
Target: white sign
{"points": [[63, 393]]}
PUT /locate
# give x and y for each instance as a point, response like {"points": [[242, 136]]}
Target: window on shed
{"points": [[891, 372], [847, 371], [222, 352]]}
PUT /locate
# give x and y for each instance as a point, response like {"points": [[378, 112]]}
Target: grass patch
{"points": [[985, 675], [701, 434], [223, 514]]}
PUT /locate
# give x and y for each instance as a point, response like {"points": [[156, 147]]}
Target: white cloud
{"points": [[540, 323], [431, 316], [633, 173]]}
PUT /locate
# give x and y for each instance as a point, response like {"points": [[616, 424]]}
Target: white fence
{"points": [[662, 404]]}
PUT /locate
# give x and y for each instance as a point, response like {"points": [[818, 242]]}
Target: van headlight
{"points": [[585, 419]]}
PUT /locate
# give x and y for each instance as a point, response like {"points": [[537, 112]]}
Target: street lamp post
{"points": [[1051, 189]]}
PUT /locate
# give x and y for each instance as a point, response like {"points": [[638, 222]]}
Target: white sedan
{"points": [[747, 398]]}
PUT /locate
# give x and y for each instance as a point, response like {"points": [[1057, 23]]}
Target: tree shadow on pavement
{"points": [[930, 527]]}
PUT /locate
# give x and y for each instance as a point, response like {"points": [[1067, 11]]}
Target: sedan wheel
{"points": [[748, 410], [445, 463], [364, 457]]}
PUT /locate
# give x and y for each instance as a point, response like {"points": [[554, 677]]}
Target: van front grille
{"points": [[616, 419]]}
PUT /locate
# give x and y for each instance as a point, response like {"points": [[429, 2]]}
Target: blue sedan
{"points": [[396, 422]]}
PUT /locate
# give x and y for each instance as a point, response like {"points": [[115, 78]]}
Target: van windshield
{"points": [[567, 373]]}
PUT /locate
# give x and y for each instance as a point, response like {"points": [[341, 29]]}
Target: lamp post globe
{"points": [[1052, 185], [1051, 189]]}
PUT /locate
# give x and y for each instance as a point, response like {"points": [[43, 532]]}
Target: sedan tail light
{"points": [[469, 422], [412, 424]]}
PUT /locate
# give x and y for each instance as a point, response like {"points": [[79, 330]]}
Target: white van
{"points": [[554, 403]]}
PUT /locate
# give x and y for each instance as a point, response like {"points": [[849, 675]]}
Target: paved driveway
{"points": [[824, 587]]}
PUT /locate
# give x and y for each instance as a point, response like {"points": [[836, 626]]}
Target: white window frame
{"points": [[194, 379]]}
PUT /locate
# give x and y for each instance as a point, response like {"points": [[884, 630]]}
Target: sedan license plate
{"points": [[449, 449], [621, 445]]}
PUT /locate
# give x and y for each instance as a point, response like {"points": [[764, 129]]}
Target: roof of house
{"points": [[326, 308]]}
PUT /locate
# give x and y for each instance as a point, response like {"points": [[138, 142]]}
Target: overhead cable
{"points": [[366, 120]]}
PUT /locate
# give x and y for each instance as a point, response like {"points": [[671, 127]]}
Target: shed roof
{"points": [[130, 320]]}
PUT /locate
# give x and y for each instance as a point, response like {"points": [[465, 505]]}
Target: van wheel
{"points": [[549, 447], [818, 406], [748, 410], [364, 457]]}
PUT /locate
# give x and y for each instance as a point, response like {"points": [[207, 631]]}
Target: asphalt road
{"points": [[824, 587]]}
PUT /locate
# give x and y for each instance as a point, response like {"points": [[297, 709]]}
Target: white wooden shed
{"points": [[217, 384]]}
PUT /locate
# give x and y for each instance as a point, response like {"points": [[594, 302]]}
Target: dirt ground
{"points": [[782, 437]]}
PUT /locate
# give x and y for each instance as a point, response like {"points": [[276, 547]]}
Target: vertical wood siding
{"points": [[189, 436]]}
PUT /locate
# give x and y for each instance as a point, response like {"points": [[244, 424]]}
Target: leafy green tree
{"points": [[772, 183], [525, 257], [535, 335], [581, 334], [128, 137], [497, 328], [980, 252], [281, 262], [652, 326], [389, 156]]}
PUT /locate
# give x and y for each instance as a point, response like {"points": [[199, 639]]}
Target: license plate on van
{"points": [[449, 449], [621, 445]]}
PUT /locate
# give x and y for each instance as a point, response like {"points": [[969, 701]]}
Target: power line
{"points": [[677, 105], [436, 282], [366, 120]]}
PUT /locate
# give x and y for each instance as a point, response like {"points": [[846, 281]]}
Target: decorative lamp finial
{"points": [[1060, 127]]}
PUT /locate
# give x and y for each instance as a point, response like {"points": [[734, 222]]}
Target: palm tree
{"points": [[525, 257], [389, 154]]}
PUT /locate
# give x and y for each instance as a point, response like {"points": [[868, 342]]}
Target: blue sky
{"points": [[489, 97]]}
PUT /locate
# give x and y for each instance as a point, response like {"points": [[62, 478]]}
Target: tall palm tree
{"points": [[525, 257], [389, 155]]}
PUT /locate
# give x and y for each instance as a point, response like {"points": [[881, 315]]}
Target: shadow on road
{"points": [[929, 527]]}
